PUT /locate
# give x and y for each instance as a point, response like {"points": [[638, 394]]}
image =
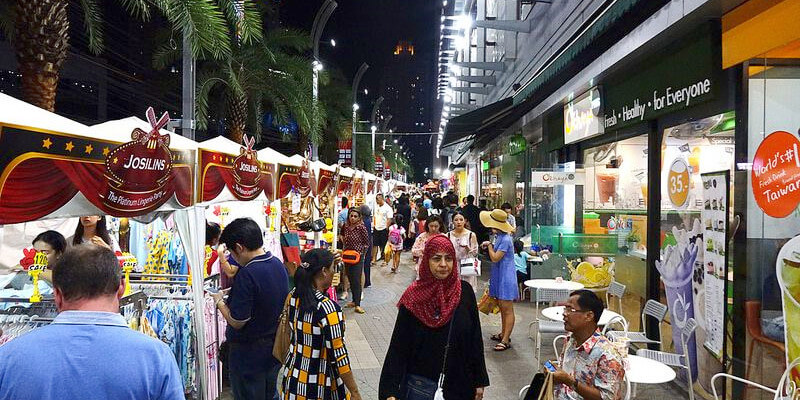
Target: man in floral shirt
{"points": [[591, 367]]}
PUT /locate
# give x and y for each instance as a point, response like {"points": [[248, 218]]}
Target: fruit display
{"points": [[591, 275]]}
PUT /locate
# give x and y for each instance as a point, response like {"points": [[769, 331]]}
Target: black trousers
{"points": [[354, 275]]}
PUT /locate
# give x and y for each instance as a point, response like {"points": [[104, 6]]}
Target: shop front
{"points": [[765, 203], [654, 144]]}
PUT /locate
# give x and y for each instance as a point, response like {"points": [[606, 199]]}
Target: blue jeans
{"points": [[259, 386]]}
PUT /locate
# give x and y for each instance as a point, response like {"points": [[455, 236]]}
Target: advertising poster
{"points": [[715, 249], [787, 269]]}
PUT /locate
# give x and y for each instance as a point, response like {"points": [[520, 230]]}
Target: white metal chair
{"points": [[617, 290], [787, 388], [560, 351], [652, 309], [619, 319], [544, 325], [673, 359], [736, 378]]}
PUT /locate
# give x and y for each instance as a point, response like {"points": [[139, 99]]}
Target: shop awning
{"points": [[466, 126]]}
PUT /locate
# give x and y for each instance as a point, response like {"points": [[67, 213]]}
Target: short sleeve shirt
{"points": [[382, 216], [521, 262], [257, 296], [504, 244], [595, 363]]}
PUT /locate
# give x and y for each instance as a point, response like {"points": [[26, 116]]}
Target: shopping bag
{"points": [[488, 304], [541, 387], [387, 251]]}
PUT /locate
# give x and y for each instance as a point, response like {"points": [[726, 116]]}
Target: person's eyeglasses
{"points": [[570, 310]]}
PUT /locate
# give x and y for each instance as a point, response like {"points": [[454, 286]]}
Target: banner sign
{"points": [[301, 179], [582, 117], [716, 187], [346, 153], [244, 176], [41, 171], [370, 186], [550, 178], [378, 166], [586, 245], [775, 175], [345, 185], [137, 171]]}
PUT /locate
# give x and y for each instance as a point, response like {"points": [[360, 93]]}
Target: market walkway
{"points": [[368, 337]]}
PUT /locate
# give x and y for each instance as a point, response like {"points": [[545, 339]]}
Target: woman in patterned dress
{"points": [[317, 365]]}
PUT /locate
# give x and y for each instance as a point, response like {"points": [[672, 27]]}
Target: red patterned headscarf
{"points": [[433, 301]]}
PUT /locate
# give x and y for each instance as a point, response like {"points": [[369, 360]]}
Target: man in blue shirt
{"points": [[252, 311], [88, 351]]}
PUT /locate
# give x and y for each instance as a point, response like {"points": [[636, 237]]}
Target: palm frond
{"points": [[244, 18], [93, 25], [204, 21], [288, 39], [206, 81], [137, 8], [8, 14], [165, 55]]}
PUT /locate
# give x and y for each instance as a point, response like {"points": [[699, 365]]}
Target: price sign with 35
{"points": [[678, 182]]}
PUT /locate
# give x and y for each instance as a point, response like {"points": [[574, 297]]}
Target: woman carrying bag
{"points": [[355, 239], [317, 345], [436, 344]]}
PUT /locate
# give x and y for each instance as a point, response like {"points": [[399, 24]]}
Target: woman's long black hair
{"points": [[313, 262], [102, 232]]}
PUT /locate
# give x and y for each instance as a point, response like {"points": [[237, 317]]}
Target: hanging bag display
{"points": [[290, 247], [421, 388]]}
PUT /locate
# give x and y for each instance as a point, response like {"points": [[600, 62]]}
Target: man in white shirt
{"points": [[381, 219]]}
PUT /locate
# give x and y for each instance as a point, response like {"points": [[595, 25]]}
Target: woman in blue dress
{"points": [[503, 278]]}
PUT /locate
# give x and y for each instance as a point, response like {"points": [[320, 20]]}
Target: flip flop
{"points": [[502, 346]]}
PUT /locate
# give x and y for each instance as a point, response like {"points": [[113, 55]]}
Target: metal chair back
{"points": [[545, 295], [619, 319], [787, 388], [736, 378], [617, 290], [560, 351], [655, 310]]}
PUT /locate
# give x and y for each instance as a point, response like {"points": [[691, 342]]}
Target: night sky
{"points": [[367, 31]]}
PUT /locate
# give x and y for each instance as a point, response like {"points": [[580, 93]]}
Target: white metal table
{"points": [[557, 314], [553, 284], [647, 371]]}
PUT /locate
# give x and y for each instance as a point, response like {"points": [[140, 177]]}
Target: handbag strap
{"points": [[447, 349]]}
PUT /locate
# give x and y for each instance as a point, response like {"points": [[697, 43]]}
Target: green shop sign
{"points": [[586, 245], [683, 74], [516, 145]]}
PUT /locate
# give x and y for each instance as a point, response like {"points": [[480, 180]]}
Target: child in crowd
{"points": [[521, 263], [396, 236]]}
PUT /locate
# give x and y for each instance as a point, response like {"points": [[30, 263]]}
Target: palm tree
{"points": [[39, 32], [268, 74]]}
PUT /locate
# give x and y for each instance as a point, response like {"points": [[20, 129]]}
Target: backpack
{"points": [[394, 235]]}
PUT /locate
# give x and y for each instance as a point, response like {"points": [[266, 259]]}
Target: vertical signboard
{"points": [[716, 205]]}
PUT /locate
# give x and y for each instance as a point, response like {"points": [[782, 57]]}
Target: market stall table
{"points": [[557, 314]]}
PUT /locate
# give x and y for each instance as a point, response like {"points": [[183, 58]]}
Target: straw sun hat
{"points": [[497, 219]]}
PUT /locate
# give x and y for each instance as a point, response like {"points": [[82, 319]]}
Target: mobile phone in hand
{"points": [[212, 290], [549, 366]]}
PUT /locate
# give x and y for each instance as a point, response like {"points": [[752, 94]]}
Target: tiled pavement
{"points": [[368, 337]]}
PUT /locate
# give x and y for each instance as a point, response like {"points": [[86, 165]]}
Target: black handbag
{"points": [[421, 388]]}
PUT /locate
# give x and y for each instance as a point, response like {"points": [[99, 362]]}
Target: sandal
{"points": [[350, 305], [497, 337], [394, 270], [360, 310], [502, 346]]}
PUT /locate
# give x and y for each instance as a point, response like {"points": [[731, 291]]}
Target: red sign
{"points": [[776, 174], [247, 172], [138, 171], [378, 166], [346, 152]]}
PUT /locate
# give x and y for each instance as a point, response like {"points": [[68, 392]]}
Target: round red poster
{"points": [[776, 174]]}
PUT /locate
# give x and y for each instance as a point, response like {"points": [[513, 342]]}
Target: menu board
{"points": [[714, 215]]}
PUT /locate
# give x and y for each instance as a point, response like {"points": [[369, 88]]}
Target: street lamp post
{"points": [[361, 70], [316, 32]]}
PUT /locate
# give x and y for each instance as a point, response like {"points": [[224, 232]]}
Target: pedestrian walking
{"points": [[503, 278], [381, 219], [317, 336], [88, 351], [252, 309], [433, 226], [511, 219], [472, 214], [397, 235], [355, 237], [437, 333], [366, 217], [465, 242]]}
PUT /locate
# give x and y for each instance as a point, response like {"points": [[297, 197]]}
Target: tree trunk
{"points": [[42, 40], [237, 116]]}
